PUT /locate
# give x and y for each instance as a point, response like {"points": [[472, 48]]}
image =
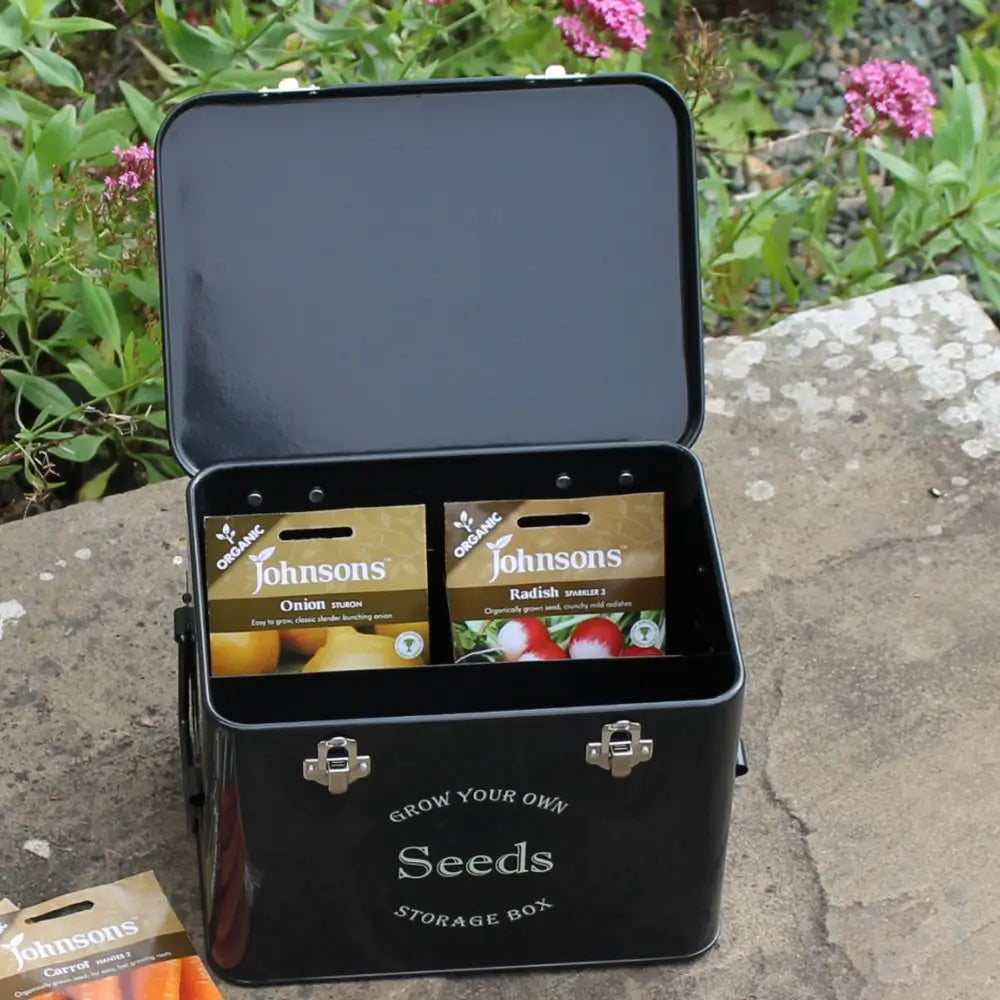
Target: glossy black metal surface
{"points": [[417, 268], [304, 885], [427, 266]]}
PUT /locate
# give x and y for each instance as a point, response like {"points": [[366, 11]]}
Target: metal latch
{"points": [[338, 770], [554, 72], [621, 748], [286, 84]]}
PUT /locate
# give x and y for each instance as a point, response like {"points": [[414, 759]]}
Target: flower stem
{"points": [[874, 205]]}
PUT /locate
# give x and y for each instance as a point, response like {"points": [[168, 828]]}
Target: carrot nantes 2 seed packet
{"points": [[317, 591], [557, 579], [121, 941]]}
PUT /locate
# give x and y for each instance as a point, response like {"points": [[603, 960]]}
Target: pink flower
{"points": [[440, 3], [887, 97], [136, 169], [577, 37], [598, 26]]}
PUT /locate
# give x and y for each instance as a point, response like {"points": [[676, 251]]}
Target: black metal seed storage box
{"points": [[389, 284]]}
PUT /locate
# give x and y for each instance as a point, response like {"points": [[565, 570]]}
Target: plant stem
{"points": [[874, 205], [915, 246], [771, 197]]}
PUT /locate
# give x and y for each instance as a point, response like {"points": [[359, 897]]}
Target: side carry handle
{"points": [[194, 793], [742, 760]]}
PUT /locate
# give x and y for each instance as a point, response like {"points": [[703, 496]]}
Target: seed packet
{"points": [[317, 591], [560, 579], [120, 941]]}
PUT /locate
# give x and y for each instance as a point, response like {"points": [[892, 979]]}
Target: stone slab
{"points": [[862, 845]]}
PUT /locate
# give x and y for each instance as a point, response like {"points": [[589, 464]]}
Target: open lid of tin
{"points": [[430, 265]]}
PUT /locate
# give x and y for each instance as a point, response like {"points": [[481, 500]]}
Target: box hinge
{"points": [[621, 748], [336, 765]]}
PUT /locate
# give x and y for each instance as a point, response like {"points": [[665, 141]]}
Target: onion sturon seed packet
{"points": [[120, 941], [557, 579], [317, 591]]}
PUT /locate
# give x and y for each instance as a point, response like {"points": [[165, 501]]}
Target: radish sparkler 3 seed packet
{"points": [[556, 579]]}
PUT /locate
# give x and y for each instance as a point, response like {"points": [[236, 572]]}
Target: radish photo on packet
{"points": [[556, 579]]}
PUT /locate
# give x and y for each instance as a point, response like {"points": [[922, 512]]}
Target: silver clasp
{"points": [[336, 772], [621, 748]]}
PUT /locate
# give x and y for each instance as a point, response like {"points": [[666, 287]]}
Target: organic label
{"points": [[120, 941], [557, 579], [317, 591]]}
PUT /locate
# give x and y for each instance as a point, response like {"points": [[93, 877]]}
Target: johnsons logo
{"points": [[37, 951], [284, 575], [475, 535], [236, 546], [511, 564]]}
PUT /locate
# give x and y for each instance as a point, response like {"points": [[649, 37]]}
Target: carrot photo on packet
{"points": [[120, 941]]}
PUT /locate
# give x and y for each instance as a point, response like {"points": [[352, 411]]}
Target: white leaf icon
{"points": [[464, 516], [222, 538], [503, 542], [265, 554], [458, 524], [16, 940]]}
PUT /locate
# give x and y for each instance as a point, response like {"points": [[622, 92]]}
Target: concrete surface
{"points": [[863, 851]]}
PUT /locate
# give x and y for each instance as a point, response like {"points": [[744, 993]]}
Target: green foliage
{"points": [[81, 380], [840, 14], [936, 199]]}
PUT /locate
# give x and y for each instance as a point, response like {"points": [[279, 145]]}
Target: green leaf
{"points": [[87, 378], [93, 488], [57, 141], [977, 8], [101, 144], [158, 419], [10, 110], [899, 168], [43, 394], [798, 54], [36, 110], [145, 290], [54, 69], [100, 313], [946, 172], [316, 31], [12, 28], [774, 250], [238, 21], [165, 72], [840, 14], [198, 47], [145, 111], [988, 279], [118, 120], [268, 48], [977, 111], [31, 8], [80, 448], [71, 25], [21, 213]]}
